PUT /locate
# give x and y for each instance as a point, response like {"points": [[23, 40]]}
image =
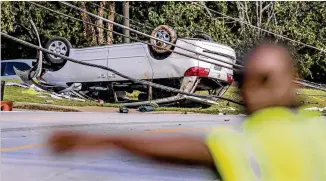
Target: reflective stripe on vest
{"points": [[270, 146]]}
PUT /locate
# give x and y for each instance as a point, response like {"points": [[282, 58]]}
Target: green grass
{"points": [[16, 94]]}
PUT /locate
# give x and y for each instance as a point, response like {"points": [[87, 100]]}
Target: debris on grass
{"points": [[146, 108], [13, 92], [123, 110], [34, 90], [30, 91], [228, 109], [49, 101], [316, 109]]}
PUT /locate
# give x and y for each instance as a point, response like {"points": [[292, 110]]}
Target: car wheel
{"points": [[204, 37], [60, 46], [165, 33]]}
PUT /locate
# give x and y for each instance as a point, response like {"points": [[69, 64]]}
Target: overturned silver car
{"points": [[142, 62]]}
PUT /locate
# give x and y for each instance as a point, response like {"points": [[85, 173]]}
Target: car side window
{"points": [[19, 65], [3, 67]]}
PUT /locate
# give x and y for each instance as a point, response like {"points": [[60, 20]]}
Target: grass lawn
{"points": [[18, 94]]}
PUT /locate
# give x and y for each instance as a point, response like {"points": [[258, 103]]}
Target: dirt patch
{"points": [[43, 107]]}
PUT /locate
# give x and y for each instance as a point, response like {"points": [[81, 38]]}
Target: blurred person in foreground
{"points": [[278, 141]]}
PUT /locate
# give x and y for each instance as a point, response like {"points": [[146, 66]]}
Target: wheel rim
{"points": [[58, 47], [163, 35]]}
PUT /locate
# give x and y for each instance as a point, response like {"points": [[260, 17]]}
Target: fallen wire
{"points": [[170, 89], [173, 51], [139, 23]]}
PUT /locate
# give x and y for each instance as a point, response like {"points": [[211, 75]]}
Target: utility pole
{"points": [[125, 11]]}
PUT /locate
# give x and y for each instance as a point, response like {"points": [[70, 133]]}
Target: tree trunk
{"points": [[99, 22], [111, 9], [89, 31]]}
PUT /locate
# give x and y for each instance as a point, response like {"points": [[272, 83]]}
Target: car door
{"points": [[129, 59], [73, 72]]}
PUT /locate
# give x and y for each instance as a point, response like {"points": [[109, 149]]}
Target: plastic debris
{"points": [[49, 101], [316, 109], [228, 109], [16, 84], [55, 96], [146, 108], [124, 110], [30, 91], [34, 90]]}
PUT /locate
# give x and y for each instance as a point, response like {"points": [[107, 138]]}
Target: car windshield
{"points": [[10, 68]]}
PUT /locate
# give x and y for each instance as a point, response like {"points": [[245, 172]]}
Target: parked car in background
{"points": [[7, 67]]}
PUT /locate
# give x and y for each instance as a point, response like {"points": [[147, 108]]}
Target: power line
{"points": [[139, 23], [261, 29], [114, 13]]}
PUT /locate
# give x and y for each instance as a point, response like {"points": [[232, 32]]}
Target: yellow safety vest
{"points": [[274, 144]]}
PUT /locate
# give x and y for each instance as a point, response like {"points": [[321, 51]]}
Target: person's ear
{"points": [[264, 79]]}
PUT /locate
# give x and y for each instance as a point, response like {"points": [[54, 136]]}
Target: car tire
{"points": [[58, 45], [204, 37], [165, 33]]}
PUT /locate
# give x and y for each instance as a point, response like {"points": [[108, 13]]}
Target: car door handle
{"points": [[112, 76], [101, 76]]}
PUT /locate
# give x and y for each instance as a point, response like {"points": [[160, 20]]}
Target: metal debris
{"points": [[316, 109], [34, 90]]}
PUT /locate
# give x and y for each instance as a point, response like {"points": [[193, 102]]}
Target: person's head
{"points": [[267, 79]]}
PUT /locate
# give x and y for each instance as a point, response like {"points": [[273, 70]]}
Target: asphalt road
{"points": [[24, 155]]}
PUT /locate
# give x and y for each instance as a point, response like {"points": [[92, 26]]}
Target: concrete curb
{"points": [[43, 107]]}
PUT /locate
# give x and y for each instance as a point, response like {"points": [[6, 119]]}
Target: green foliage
{"points": [[303, 21]]}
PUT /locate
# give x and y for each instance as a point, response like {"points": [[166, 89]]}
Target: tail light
{"points": [[230, 78], [197, 71]]}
